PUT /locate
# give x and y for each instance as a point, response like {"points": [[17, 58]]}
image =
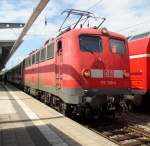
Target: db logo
{"points": [[108, 73]]}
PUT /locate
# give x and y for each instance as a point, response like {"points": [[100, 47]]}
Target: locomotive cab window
{"points": [[90, 43], [117, 46]]}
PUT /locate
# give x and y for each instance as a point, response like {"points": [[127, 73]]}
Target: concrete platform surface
{"points": [[24, 121]]}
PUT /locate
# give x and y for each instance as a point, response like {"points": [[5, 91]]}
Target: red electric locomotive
{"points": [[139, 54], [81, 71]]}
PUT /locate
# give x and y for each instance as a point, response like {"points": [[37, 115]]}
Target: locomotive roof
{"points": [[79, 31], [139, 36], [91, 31]]}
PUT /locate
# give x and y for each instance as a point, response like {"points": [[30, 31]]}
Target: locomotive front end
{"points": [[104, 69]]}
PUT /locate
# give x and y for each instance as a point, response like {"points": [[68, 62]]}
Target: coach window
{"points": [[117, 46], [25, 62], [59, 46], [33, 59], [50, 51], [43, 54], [30, 61], [37, 57]]}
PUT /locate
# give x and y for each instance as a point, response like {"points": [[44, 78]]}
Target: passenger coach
{"points": [[139, 54]]}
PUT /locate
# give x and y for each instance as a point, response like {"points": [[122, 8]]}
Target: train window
{"points": [[37, 57], [117, 46], [50, 51], [59, 46], [33, 59], [90, 43], [26, 63], [43, 54], [29, 61]]}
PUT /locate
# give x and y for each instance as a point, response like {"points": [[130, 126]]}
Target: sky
{"points": [[127, 17]]}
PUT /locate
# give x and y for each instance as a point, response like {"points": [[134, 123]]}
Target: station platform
{"points": [[24, 121]]}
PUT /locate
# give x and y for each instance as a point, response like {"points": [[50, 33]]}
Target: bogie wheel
{"points": [[130, 105], [65, 109]]}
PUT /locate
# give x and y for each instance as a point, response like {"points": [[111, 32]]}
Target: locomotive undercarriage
{"points": [[100, 105], [89, 106]]}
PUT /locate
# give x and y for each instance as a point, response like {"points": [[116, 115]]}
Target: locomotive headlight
{"points": [[104, 30], [87, 73]]}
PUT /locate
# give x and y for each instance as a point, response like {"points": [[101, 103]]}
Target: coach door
{"points": [[58, 68]]}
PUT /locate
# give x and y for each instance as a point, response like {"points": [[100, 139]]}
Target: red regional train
{"points": [[139, 56], [82, 71]]}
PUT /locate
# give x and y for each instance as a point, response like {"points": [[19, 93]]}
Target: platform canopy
{"points": [[7, 40], [8, 47], [5, 47]]}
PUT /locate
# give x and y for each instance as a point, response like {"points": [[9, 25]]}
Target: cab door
{"points": [[58, 67]]}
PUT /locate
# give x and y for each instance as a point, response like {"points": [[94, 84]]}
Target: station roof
{"points": [[8, 47], [9, 33]]}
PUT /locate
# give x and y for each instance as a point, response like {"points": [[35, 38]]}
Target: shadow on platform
{"points": [[31, 135], [2, 87]]}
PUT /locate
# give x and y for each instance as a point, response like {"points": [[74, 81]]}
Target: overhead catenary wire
{"points": [[91, 7], [35, 34], [94, 5], [129, 27], [144, 22]]}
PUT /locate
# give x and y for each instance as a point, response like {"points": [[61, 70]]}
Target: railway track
{"points": [[126, 136], [123, 132]]}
